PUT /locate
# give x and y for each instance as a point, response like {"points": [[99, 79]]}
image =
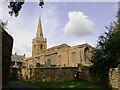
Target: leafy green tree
{"points": [[107, 52], [16, 5]]}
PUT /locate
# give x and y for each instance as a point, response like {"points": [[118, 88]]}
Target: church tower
{"points": [[39, 45]]}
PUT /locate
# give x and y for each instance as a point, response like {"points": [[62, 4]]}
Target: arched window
{"points": [[30, 66], [80, 57], [41, 46], [48, 62], [74, 59], [24, 65], [59, 60], [38, 65], [86, 53], [34, 47]]}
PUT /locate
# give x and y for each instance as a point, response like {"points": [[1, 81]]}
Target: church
{"points": [[57, 56]]}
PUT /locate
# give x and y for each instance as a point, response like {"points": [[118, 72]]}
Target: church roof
{"points": [[15, 57], [59, 46]]}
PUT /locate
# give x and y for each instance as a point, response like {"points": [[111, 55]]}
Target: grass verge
{"points": [[74, 84]]}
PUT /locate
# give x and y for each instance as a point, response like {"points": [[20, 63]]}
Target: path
{"points": [[17, 85]]}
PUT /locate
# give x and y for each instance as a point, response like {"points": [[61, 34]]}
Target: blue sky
{"points": [[72, 23]]}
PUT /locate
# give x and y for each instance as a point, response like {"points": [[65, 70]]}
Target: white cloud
{"points": [[79, 24], [24, 27]]}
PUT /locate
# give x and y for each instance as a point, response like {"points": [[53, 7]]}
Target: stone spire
{"points": [[39, 33]]}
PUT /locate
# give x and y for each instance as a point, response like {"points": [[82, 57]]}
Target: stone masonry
{"points": [[51, 74], [114, 77], [61, 56]]}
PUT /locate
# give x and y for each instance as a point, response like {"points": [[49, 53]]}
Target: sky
{"points": [[73, 23]]}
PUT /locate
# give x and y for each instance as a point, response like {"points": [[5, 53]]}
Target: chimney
{"points": [[24, 55]]}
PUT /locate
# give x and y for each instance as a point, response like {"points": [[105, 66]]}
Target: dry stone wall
{"points": [[68, 74], [114, 77], [52, 74]]}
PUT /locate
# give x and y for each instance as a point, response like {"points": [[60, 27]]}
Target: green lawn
{"points": [[75, 84]]}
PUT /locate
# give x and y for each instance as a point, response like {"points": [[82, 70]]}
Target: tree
{"points": [[107, 53], [3, 25], [16, 5]]}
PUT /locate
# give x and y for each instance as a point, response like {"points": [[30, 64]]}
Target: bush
{"points": [[118, 66]]}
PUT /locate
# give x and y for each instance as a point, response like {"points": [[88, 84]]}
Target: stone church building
{"points": [[57, 56]]}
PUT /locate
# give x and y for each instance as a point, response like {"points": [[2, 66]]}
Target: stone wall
{"points": [[51, 74], [62, 56], [119, 79], [68, 74], [14, 73], [86, 75], [114, 77], [26, 73]]}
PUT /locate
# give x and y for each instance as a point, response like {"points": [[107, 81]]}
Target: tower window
{"points": [[41, 46], [48, 62], [74, 59], [38, 65], [34, 46], [59, 59], [86, 54]]}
